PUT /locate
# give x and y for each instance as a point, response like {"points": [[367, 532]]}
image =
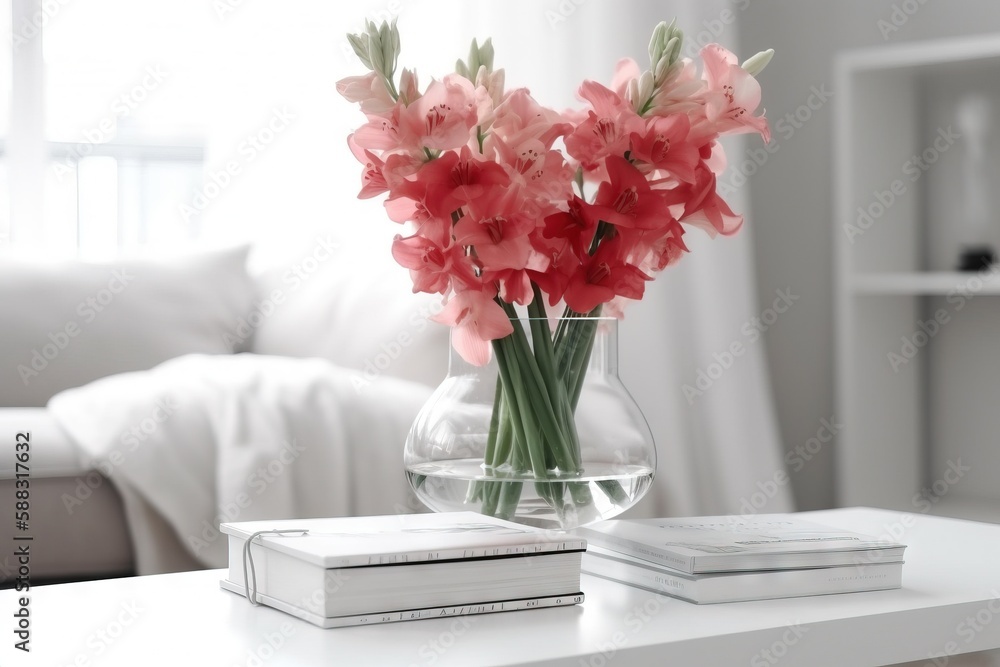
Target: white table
{"points": [[950, 602]]}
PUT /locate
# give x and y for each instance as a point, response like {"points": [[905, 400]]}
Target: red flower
{"points": [[459, 179], [577, 225], [603, 277], [707, 210], [627, 200], [664, 145], [558, 262], [496, 228]]}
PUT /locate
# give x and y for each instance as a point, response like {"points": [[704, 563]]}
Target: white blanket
{"points": [[201, 440]]}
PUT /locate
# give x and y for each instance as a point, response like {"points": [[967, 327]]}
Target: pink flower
{"points": [[490, 94], [522, 137], [680, 93], [664, 145], [651, 251], [496, 228], [476, 320], [626, 71], [373, 181], [487, 191], [369, 91], [432, 266], [733, 94], [543, 174], [384, 132], [607, 128], [425, 205], [515, 286], [520, 118], [409, 89], [444, 116], [379, 176]]}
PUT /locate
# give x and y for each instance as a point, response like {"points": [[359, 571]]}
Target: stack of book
{"points": [[366, 570], [736, 559]]}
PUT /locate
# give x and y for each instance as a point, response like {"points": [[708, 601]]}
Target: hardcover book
{"points": [[741, 586], [735, 543], [359, 570]]}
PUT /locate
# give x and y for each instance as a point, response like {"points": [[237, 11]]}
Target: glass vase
{"points": [[545, 434]]}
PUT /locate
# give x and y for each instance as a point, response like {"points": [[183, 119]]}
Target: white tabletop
{"points": [[950, 602]]}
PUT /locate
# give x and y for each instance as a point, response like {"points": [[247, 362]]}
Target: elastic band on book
{"points": [[249, 574]]}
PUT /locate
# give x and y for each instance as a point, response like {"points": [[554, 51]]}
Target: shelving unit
{"points": [[918, 344], [926, 283]]}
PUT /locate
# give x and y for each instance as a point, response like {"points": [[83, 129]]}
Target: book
{"points": [[735, 543], [720, 587], [408, 614], [338, 571]]}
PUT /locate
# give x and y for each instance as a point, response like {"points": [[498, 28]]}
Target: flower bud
{"points": [[375, 52], [409, 90], [756, 64], [656, 43], [645, 86], [486, 54]]}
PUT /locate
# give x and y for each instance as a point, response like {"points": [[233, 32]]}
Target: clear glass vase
{"points": [[545, 434]]}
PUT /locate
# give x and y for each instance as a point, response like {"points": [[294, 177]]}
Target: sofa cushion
{"points": [[354, 306], [77, 520], [52, 452], [67, 323]]}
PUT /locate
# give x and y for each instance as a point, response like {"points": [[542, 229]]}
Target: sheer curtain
{"points": [[718, 449]]}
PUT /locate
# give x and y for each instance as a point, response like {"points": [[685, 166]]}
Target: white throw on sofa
{"points": [[68, 324]]}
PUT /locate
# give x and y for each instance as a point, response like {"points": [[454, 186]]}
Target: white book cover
{"points": [[737, 543], [393, 564], [402, 538], [722, 587]]}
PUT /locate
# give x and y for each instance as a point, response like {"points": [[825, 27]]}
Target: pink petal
{"points": [[470, 347], [491, 322], [626, 70]]}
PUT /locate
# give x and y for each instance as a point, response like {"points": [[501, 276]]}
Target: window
{"points": [[211, 122], [97, 153]]}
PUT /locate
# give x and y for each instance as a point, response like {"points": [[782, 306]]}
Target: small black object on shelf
{"points": [[974, 258]]}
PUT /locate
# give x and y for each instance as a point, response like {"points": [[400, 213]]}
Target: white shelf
{"points": [[909, 406], [919, 283]]}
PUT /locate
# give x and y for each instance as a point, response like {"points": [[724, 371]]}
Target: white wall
{"points": [[791, 193]]}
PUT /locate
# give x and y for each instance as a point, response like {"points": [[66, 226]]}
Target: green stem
{"points": [[540, 404], [491, 441], [525, 428], [476, 487], [509, 492]]}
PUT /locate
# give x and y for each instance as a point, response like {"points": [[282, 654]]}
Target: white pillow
{"points": [[353, 305], [65, 324]]}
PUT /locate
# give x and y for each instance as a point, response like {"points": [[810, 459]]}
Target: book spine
{"points": [[464, 610], [650, 579], [708, 589], [643, 551]]}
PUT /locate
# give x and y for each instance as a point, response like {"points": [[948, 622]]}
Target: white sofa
{"points": [[65, 324]]}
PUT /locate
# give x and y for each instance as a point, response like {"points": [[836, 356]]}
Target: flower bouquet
{"points": [[512, 210]]}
